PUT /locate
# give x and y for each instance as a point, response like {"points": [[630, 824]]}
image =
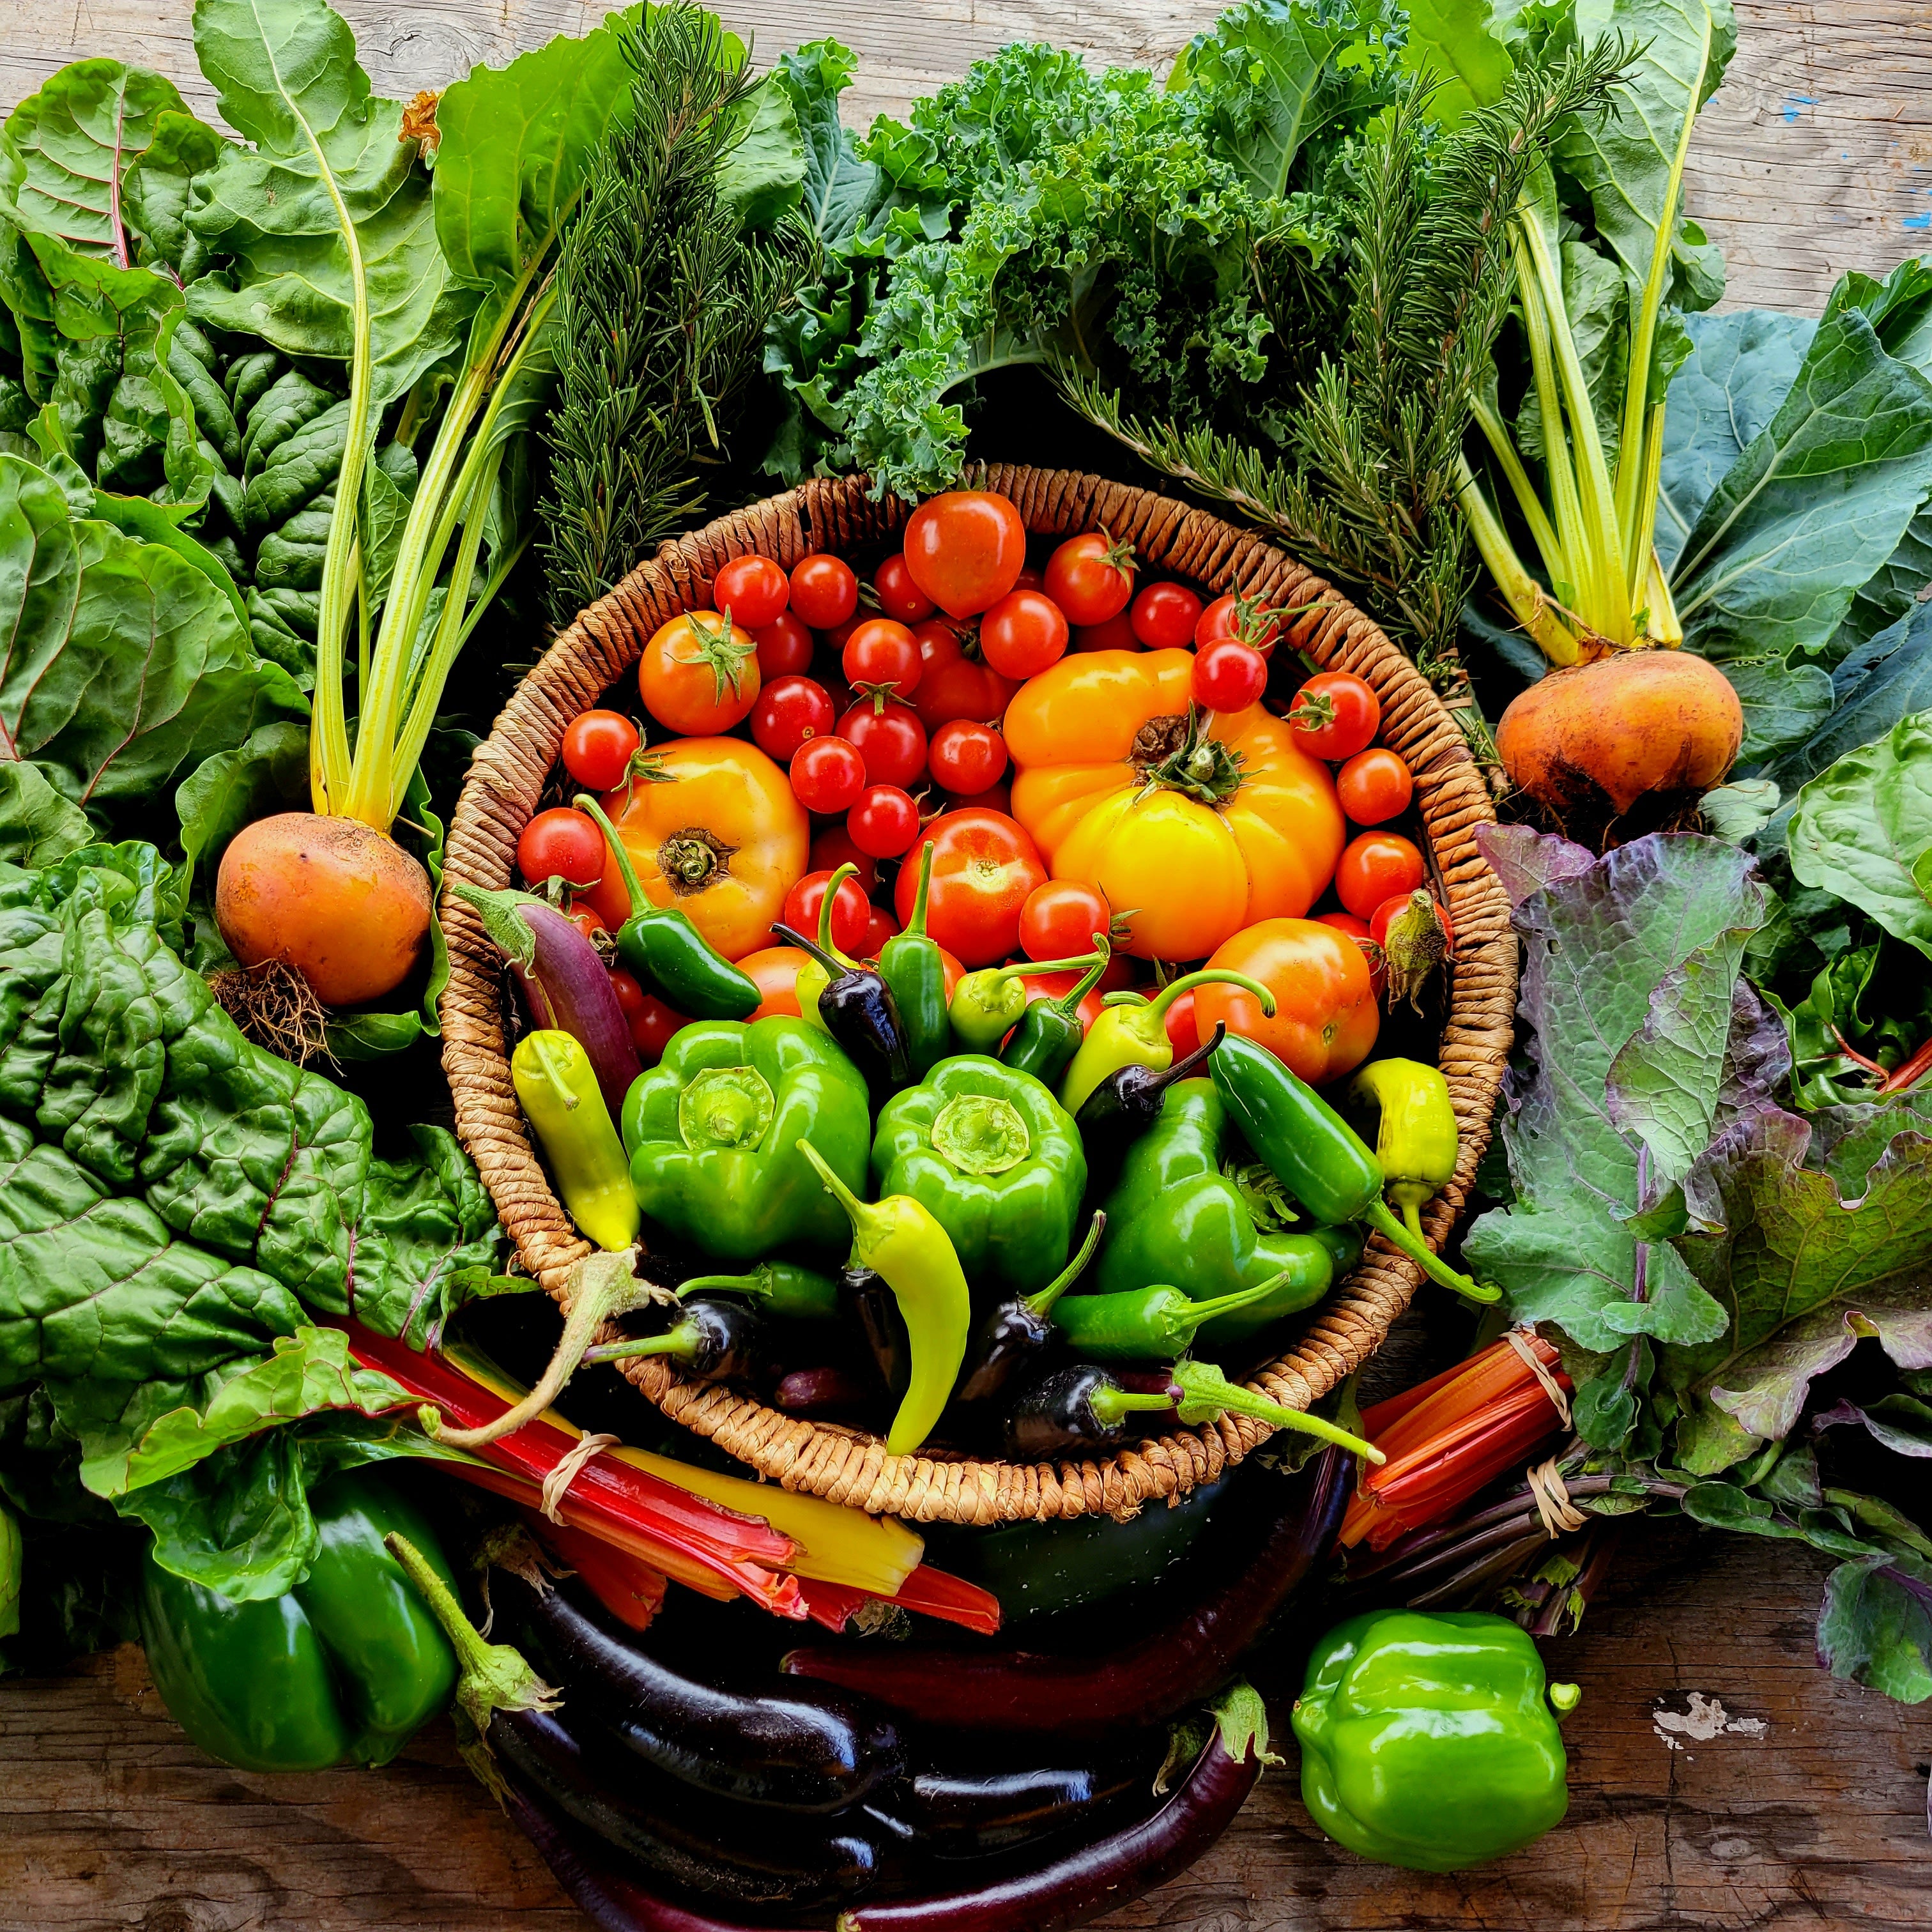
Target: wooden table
{"points": [[1719, 1779]]}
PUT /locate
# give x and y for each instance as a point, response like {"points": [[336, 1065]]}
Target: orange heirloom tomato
{"points": [[1200, 836], [773, 970], [699, 675], [1325, 1017], [714, 830]]}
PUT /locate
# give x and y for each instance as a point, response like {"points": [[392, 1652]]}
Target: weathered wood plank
{"points": [[1815, 156], [1809, 1807]]}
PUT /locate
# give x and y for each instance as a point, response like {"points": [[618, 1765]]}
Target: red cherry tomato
{"points": [[823, 590], [1164, 615], [1029, 579], [1375, 786], [1385, 915], [851, 911], [839, 635], [754, 589], [1357, 929], [965, 550], [785, 647], [630, 992], [890, 739], [1334, 716], [586, 918], [1091, 578], [1116, 634], [984, 867], [827, 774], [1060, 918], [1243, 618], [995, 798], [880, 928], [652, 1026], [1375, 866], [1228, 676], [1342, 922], [1182, 1034], [881, 655], [966, 758], [884, 822], [898, 596], [1024, 633], [953, 681], [833, 847], [597, 748], [787, 713], [561, 844]]}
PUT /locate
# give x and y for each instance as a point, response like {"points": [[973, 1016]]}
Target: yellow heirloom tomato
{"points": [[1200, 827]]}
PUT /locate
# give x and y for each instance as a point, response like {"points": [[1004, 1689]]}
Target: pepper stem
{"points": [[1208, 976], [1086, 959], [1203, 1313], [1378, 1215], [840, 875], [1039, 1305], [1206, 1393], [494, 1675], [1564, 1698], [1411, 1220], [865, 1219], [1111, 1406], [585, 803], [543, 1051], [674, 1338], [758, 1282], [1069, 1002], [915, 926], [603, 1286], [1184, 1067], [834, 966]]}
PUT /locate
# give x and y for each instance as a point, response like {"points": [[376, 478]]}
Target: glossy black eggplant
{"points": [[800, 1747], [1018, 1334], [957, 1813], [862, 1014], [710, 1341], [1122, 1107]]}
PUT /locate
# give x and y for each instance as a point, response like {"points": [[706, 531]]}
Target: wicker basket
{"points": [[507, 778]]}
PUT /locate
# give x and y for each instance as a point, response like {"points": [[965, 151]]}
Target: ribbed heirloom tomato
{"points": [[984, 867], [1325, 1018], [1200, 830]]}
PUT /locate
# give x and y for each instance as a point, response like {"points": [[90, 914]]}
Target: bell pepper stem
{"points": [[1380, 1217], [1564, 1698], [1411, 1220], [1069, 1002], [1206, 1392], [1111, 1406], [493, 1677], [1040, 1304], [1209, 976], [915, 926], [586, 804], [604, 1286]]}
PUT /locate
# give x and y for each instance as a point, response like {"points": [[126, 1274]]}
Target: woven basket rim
{"points": [[507, 777]]}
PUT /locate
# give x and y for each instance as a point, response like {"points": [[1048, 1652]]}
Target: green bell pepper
{"points": [[712, 1132], [341, 1670], [1426, 1740], [997, 1161], [1174, 1216]]}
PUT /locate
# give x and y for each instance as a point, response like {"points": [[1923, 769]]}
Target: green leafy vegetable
{"points": [[37, 825]]}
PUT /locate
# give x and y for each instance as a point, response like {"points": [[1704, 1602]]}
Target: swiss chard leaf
{"points": [[1876, 1626], [269, 773], [37, 825]]}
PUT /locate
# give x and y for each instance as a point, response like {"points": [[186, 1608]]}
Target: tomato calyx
{"points": [[691, 859], [1312, 711], [883, 694], [648, 765], [1175, 753], [721, 649]]}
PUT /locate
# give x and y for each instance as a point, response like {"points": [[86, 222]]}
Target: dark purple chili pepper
{"points": [[1124, 1105], [1146, 1682], [710, 1341], [566, 984], [1019, 1333]]}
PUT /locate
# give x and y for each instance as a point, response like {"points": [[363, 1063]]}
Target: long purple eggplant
{"points": [[1146, 1682], [567, 985], [1087, 1880]]}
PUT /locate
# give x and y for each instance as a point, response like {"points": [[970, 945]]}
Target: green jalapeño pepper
{"points": [[1049, 1032], [339, 1670], [1415, 1130], [995, 1158], [558, 1089], [902, 1242], [911, 963], [988, 1005], [1317, 1155], [1175, 1216], [713, 1131], [1132, 1032], [1426, 1740], [662, 947]]}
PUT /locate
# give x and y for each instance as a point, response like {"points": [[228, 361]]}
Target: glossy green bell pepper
{"points": [[998, 1162], [712, 1131], [339, 1670], [1174, 1216], [1427, 1740]]}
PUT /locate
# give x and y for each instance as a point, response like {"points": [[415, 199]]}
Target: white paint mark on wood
{"points": [[1703, 1719]]}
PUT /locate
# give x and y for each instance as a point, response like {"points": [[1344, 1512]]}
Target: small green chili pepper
{"points": [[1415, 1130], [1049, 1032], [911, 963], [1132, 1032], [782, 1288], [987, 1005], [558, 1089], [1317, 1155], [661, 945], [901, 1242], [1151, 1324]]}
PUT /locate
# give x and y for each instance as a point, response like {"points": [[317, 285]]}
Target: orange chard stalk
{"points": [[1451, 1436]]}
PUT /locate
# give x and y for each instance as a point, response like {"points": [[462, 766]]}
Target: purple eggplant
{"points": [[567, 985]]}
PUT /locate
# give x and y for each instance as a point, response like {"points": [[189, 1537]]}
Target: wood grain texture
{"points": [[1815, 157], [1810, 1810]]}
